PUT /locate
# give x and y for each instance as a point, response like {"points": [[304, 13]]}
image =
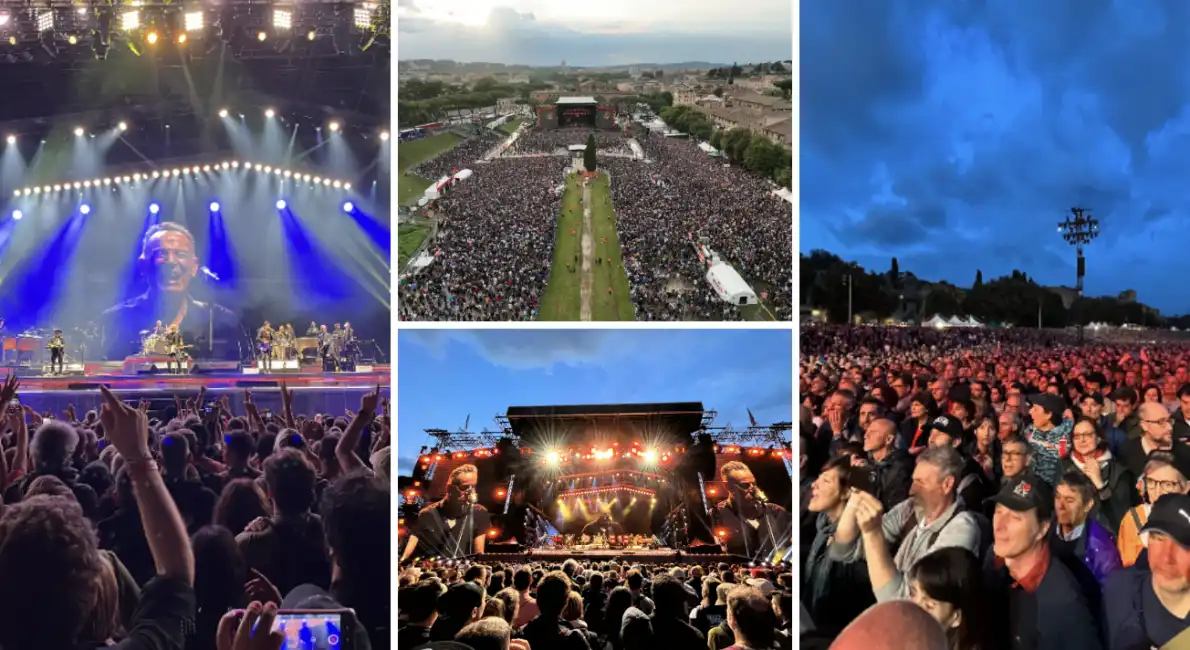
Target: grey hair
{"points": [[947, 459]]}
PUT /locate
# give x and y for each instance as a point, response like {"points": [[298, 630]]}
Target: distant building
{"points": [[685, 96], [505, 105], [757, 102]]}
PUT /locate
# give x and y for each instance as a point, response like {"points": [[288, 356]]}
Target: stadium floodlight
{"points": [[384, 136], [270, 113], [17, 215], [223, 112], [154, 208], [78, 131], [84, 209], [281, 204], [552, 457], [12, 139], [650, 455], [45, 20], [348, 207], [282, 19], [123, 126], [214, 206], [363, 16], [334, 126], [130, 20], [194, 21]]}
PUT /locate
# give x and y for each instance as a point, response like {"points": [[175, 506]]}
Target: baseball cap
{"points": [[763, 586], [947, 424], [1025, 493], [1051, 403], [1171, 516]]}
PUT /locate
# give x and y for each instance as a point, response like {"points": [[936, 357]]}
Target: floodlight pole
{"points": [[1079, 231]]}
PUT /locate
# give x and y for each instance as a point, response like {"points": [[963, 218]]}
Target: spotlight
{"points": [[123, 126], [130, 20], [78, 131], [4, 18], [154, 208], [310, 35], [384, 136], [334, 126], [348, 207], [181, 39], [553, 457], [72, 39], [650, 456], [45, 20], [214, 206], [84, 209], [281, 204], [223, 113], [337, 184], [346, 186], [261, 36], [12, 139], [194, 21], [363, 17], [282, 19], [151, 39], [18, 215], [269, 113]]}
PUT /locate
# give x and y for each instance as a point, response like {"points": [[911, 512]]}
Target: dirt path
{"points": [[588, 245]]}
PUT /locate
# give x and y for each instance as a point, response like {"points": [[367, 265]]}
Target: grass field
{"points": [[410, 187], [409, 238], [562, 299], [510, 127], [616, 303]]}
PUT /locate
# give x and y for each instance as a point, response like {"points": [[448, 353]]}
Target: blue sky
{"points": [[955, 134], [609, 32], [447, 374]]}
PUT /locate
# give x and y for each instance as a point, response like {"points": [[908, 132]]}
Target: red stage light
{"points": [[712, 491], [491, 532], [722, 532], [499, 493]]}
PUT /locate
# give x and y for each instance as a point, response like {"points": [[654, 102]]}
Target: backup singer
{"points": [[455, 526], [754, 527], [57, 347]]}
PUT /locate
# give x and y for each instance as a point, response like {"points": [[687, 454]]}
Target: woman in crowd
{"points": [[948, 584], [1115, 486]]}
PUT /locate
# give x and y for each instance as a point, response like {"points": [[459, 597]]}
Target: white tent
{"points": [[729, 286], [935, 321], [955, 322], [463, 175], [971, 322]]}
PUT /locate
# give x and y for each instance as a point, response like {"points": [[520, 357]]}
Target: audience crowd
{"points": [[606, 605], [187, 527], [1021, 490], [461, 156], [494, 251], [557, 141]]}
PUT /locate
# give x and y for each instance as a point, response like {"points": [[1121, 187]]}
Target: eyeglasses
{"points": [[1013, 454], [745, 486], [1084, 436], [1160, 423], [1168, 486]]}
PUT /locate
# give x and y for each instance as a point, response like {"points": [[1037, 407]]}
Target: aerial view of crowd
{"points": [[985, 489], [462, 156], [606, 605], [494, 250], [187, 526], [556, 141]]}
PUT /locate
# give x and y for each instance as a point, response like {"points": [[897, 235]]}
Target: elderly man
{"points": [[894, 467], [931, 519]]}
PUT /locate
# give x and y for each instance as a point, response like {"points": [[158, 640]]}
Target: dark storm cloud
{"points": [[955, 135]]}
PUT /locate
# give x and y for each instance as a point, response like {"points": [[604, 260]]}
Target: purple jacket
{"points": [[1097, 549]]}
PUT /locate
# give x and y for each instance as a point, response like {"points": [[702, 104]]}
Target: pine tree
{"points": [[978, 278], [589, 153]]}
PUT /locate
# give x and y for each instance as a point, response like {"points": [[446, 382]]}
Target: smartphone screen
{"points": [[311, 630]]}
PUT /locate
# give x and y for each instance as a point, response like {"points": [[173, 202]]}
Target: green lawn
{"points": [[410, 187], [510, 127], [409, 238], [615, 304], [562, 299]]}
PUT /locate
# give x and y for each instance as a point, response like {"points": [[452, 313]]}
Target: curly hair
{"points": [[291, 481], [48, 548], [355, 514], [53, 446], [240, 503]]}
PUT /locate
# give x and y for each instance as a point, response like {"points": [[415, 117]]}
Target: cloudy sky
{"points": [[956, 134], [608, 32], [447, 375]]}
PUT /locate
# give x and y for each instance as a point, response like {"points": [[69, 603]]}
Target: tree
{"points": [[978, 278], [785, 86], [785, 176], [589, 153], [718, 92], [716, 138]]}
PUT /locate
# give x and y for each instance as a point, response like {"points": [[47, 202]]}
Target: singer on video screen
{"points": [[455, 526], [753, 526], [169, 263]]}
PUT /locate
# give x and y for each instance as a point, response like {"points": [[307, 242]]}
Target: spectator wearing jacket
{"points": [[894, 467], [1181, 415], [1085, 545], [1048, 435], [1091, 406], [922, 409], [948, 431], [1125, 417], [1114, 485], [1164, 473], [840, 425], [1157, 425]]}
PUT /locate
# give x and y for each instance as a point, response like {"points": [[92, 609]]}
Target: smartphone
{"points": [[14, 405], [315, 629], [863, 477]]}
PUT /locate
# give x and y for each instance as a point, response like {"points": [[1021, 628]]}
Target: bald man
{"points": [[1157, 427], [895, 625], [894, 467]]}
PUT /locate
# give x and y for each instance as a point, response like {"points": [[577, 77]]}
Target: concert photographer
{"points": [[169, 263], [125, 571], [454, 526]]}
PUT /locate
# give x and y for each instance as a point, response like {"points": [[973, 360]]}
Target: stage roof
{"points": [[567, 101], [682, 418]]}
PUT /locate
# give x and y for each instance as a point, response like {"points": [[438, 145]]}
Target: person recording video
{"points": [[454, 526], [753, 526]]}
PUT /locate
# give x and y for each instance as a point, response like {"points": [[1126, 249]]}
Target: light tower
{"points": [[1079, 231]]}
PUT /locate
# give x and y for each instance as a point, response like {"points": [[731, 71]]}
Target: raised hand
{"points": [[127, 428], [9, 389], [370, 401], [251, 629]]}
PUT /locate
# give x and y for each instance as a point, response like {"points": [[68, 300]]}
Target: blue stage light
{"points": [[281, 204], [84, 209], [214, 207], [348, 207], [18, 215], [154, 208]]}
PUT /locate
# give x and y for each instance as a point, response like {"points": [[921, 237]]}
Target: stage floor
{"points": [[332, 393]]}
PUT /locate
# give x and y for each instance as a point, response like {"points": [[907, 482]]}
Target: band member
{"points": [[174, 349], [264, 344], [753, 526], [348, 333], [57, 346], [325, 343], [158, 329], [313, 330], [169, 264], [455, 526], [603, 526]]}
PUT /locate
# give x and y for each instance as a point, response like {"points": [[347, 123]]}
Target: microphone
{"points": [[760, 495], [472, 499], [209, 273]]}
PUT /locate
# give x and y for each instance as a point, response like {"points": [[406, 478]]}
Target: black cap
{"points": [[1051, 403], [1097, 397], [947, 424], [1025, 493], [1171, 516]]}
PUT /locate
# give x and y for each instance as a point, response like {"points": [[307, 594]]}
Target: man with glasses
{"points": [[454, 526], [746, 524], [1157, 426]]}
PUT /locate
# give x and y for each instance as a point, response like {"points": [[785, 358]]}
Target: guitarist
{"points": [[57, 347], [174, 348], [264, 343]]}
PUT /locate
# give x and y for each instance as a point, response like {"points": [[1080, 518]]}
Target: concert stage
{"points": [[658, 556], [312, 392]]}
